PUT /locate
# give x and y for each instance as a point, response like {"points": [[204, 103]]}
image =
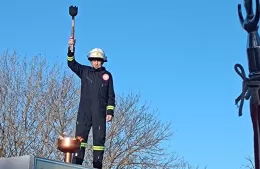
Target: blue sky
{"points": [[178, 54]]}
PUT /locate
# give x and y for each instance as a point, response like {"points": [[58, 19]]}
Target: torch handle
{"points": [[72, 33]]}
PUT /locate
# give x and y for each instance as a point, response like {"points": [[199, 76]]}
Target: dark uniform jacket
{"points": [[97, 89]]}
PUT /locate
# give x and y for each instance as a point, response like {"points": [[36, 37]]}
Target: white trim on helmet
{"points": [[97, 53]]}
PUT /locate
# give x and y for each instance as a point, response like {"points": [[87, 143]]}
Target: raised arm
{"points": [[111, 97], [76, 67]]}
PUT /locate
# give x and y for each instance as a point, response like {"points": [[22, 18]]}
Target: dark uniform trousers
{"points": [[96, 101]]}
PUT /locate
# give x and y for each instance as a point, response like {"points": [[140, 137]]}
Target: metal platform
{"points": [[32, 162]]}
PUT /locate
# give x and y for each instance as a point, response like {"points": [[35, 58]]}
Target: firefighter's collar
{"points": [[98, 70]]}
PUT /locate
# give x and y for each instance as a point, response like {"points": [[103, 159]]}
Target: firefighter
{"points": [[97, 102]]}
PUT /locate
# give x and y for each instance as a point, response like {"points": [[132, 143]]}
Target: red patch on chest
{"points": [[105, 77]]}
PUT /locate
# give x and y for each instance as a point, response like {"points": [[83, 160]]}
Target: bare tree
{"points": [[250, 163], [39, 101]]}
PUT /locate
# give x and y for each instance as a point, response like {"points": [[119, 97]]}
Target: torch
{"points": [[251, 84], [73, 11]]}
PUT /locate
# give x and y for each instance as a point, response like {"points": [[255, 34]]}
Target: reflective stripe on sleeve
{"points": [[70, 58], [110, 107]]}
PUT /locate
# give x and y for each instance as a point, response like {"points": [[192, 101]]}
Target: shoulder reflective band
{"points": [[110, 107], [70, 58], [83, 145], [100, 148]]}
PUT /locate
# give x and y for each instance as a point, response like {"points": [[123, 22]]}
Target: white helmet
{"points": [[97, 53]]}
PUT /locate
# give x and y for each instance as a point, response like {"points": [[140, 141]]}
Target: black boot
{"points": [[78, 157], [97, 164]]}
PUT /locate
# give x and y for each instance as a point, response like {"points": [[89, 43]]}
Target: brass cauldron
{"points": [[68, 146]]}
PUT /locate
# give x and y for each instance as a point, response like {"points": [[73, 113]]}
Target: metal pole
{"points": [[73, 11], [251, 84]]}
